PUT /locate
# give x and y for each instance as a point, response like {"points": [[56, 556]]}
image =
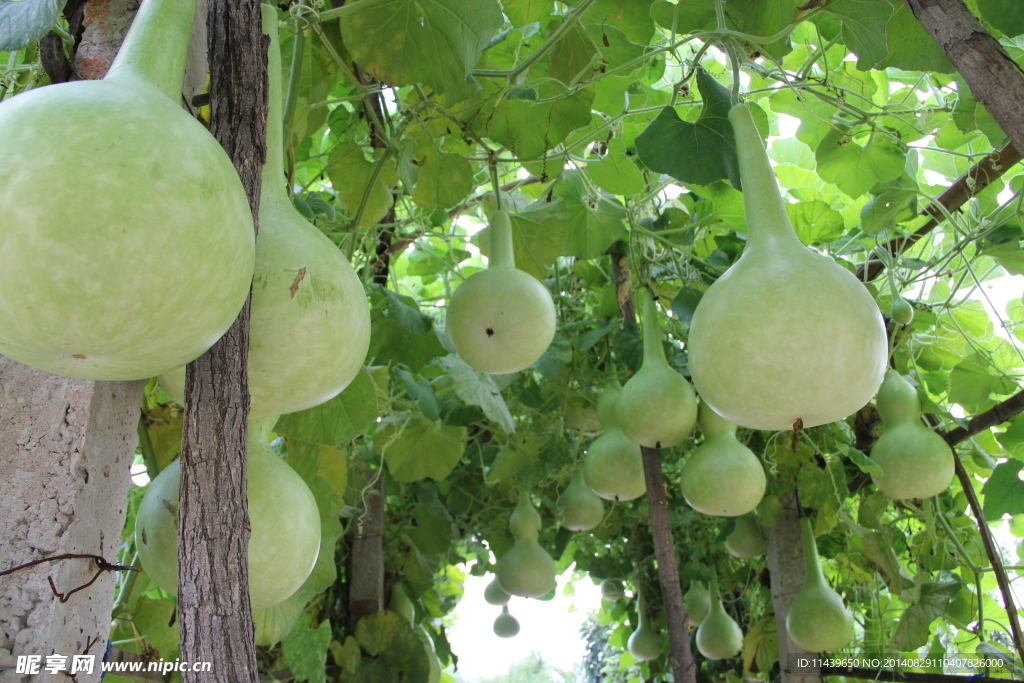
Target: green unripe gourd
{"points": [[579, 508], [916, 462], [400, 603], [500, 319], [494, 594], [786, 334], [697, 602], [526, 569], [645, 642], [901, 312], [127, 242], [747, 540], [818, 621], [506, 625], [657, 407], [613, 465], [283, 516], [719, 636], [612, 590], [722, 477]]}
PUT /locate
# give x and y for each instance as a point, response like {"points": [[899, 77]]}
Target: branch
{"points": [[101, 563], [1002, 412]]}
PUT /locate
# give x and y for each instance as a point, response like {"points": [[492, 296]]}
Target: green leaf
{"points": [[431, 42], [404, 310], [538, 235], [420, 390], [343, 418], [914, 628], [700, 152], [531, 128], [350, 174], [688, 15], [25, 23], [1004, 491], [864, 28], [523, 12], [304, 650], [970, 383], [444, 180], [390, 639], [616, 173], [593, 223], [632, 17], [415, 448], [1005, 15], [910, 46], [864, 463], [685, 304], [1009, 255], [571, 57], [764, 18], [1012, 440], [815, 221], [479, 389], [856, 169], [390, 342], [885, 210]]}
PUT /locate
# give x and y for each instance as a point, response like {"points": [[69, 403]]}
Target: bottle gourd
{"points": [[526, 569], [657, 407], [500, 319], [786, 334], [719, 636], [612, 590], [494, 594], [283, 515], [579, 508], [722, 477], [127, 244], [817, 621], [697, 602], [613, 465], [747, 540], [645, 642], [916, 462], [506, 625]]}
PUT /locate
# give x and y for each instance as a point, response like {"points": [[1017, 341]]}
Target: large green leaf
{"points": [[430, 42], [538, 236], [815, 221], [523, 12], [396, 654], [390, 341], [686, 15], [594, 222], [350, 174], [856, 169], [304, 650], [416, 448], [478, 389], [615, 172], [444, 180], [864, 28], [1012, 440], [764, 18], [1009, 255], [914, 628], [571, 57], [910, 46], [341, 419], [1005, 15], [632, 17], [529, 129], [1004, 491]]}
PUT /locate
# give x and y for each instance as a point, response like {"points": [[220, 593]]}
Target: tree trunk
{"points": [[213, 575], [366, 582]]}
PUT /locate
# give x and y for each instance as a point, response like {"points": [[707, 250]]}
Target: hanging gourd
{"points": [[916, 462], [579, 508], [526, 569], [697, 602], [746, 540], [786, 336], [500, 319], [657, 407], [494, 594], [645, 642], [722, 477], [127, 240], [901, 312], [506, 625], [817, 621], [612, 590], [613, 465], [719, 636]]}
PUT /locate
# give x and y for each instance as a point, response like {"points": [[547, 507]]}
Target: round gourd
{"points": [[722, 477], [719, 636], [645, 642], [127, 241], [612, 590], [786, 334], [817, 621], [506, 625], [579, 508], [494, 594], [697, 602], [500, 319], [283, 516], [613, 466], [747, 540]]}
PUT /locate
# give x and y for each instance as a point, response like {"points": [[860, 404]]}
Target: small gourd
{"points": [[494, 594], [657, 407], [746, 540], [719, 636], [645, 642], [612, 590], [501, 319], [916, 462], [400, 603], [697, 602], [722, 476], [506, 625], [526, 569], [786, 335], [283, 516], [900, 311], [579, 508], [613, 465], [817, 621]]}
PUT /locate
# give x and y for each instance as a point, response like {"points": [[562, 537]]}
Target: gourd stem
{"points": [[154, 51], [502, 255], [653, 350], [273, 171], [812, 568], [767, 220], [716, 600]]}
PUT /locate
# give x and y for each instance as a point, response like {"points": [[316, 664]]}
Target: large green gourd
{"points": [[786, 334], [126, 239], [817, 621], [526, 569], [657, 407], [722, 476], [645, 642], [283, 516], [501, 319], [579, 508], [747, 540], [310, 324], [719, 636], [613, 465], [916, 462]]}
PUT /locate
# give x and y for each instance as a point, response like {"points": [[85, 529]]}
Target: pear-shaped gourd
{"points": [[579, 508], [786, 334], [494, 594], [506, 625], [310, 324], [697, 602], [126, 246], [283, 516], [526, 569], [719, 636], [722, 477], [501, 319], [400, 603], [817, 621], [645, 642], [657, 407], [614, 466], [916, 462], [901, 312], [747, 539], [612, 590]]}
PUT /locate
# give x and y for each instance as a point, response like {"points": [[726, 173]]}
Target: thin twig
{"points": [[101, 563]]}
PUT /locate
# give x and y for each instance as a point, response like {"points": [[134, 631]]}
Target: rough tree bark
{"points": [[213, 586]]}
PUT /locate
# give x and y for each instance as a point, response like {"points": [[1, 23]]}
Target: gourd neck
{"points": [[897, 400], [713, 424], [654, 352], [812, 567], [501, 253], [273, 171], [259, 437], [767, 221], [578, 481], [606, 404], [641, 610], [153, 53]]}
